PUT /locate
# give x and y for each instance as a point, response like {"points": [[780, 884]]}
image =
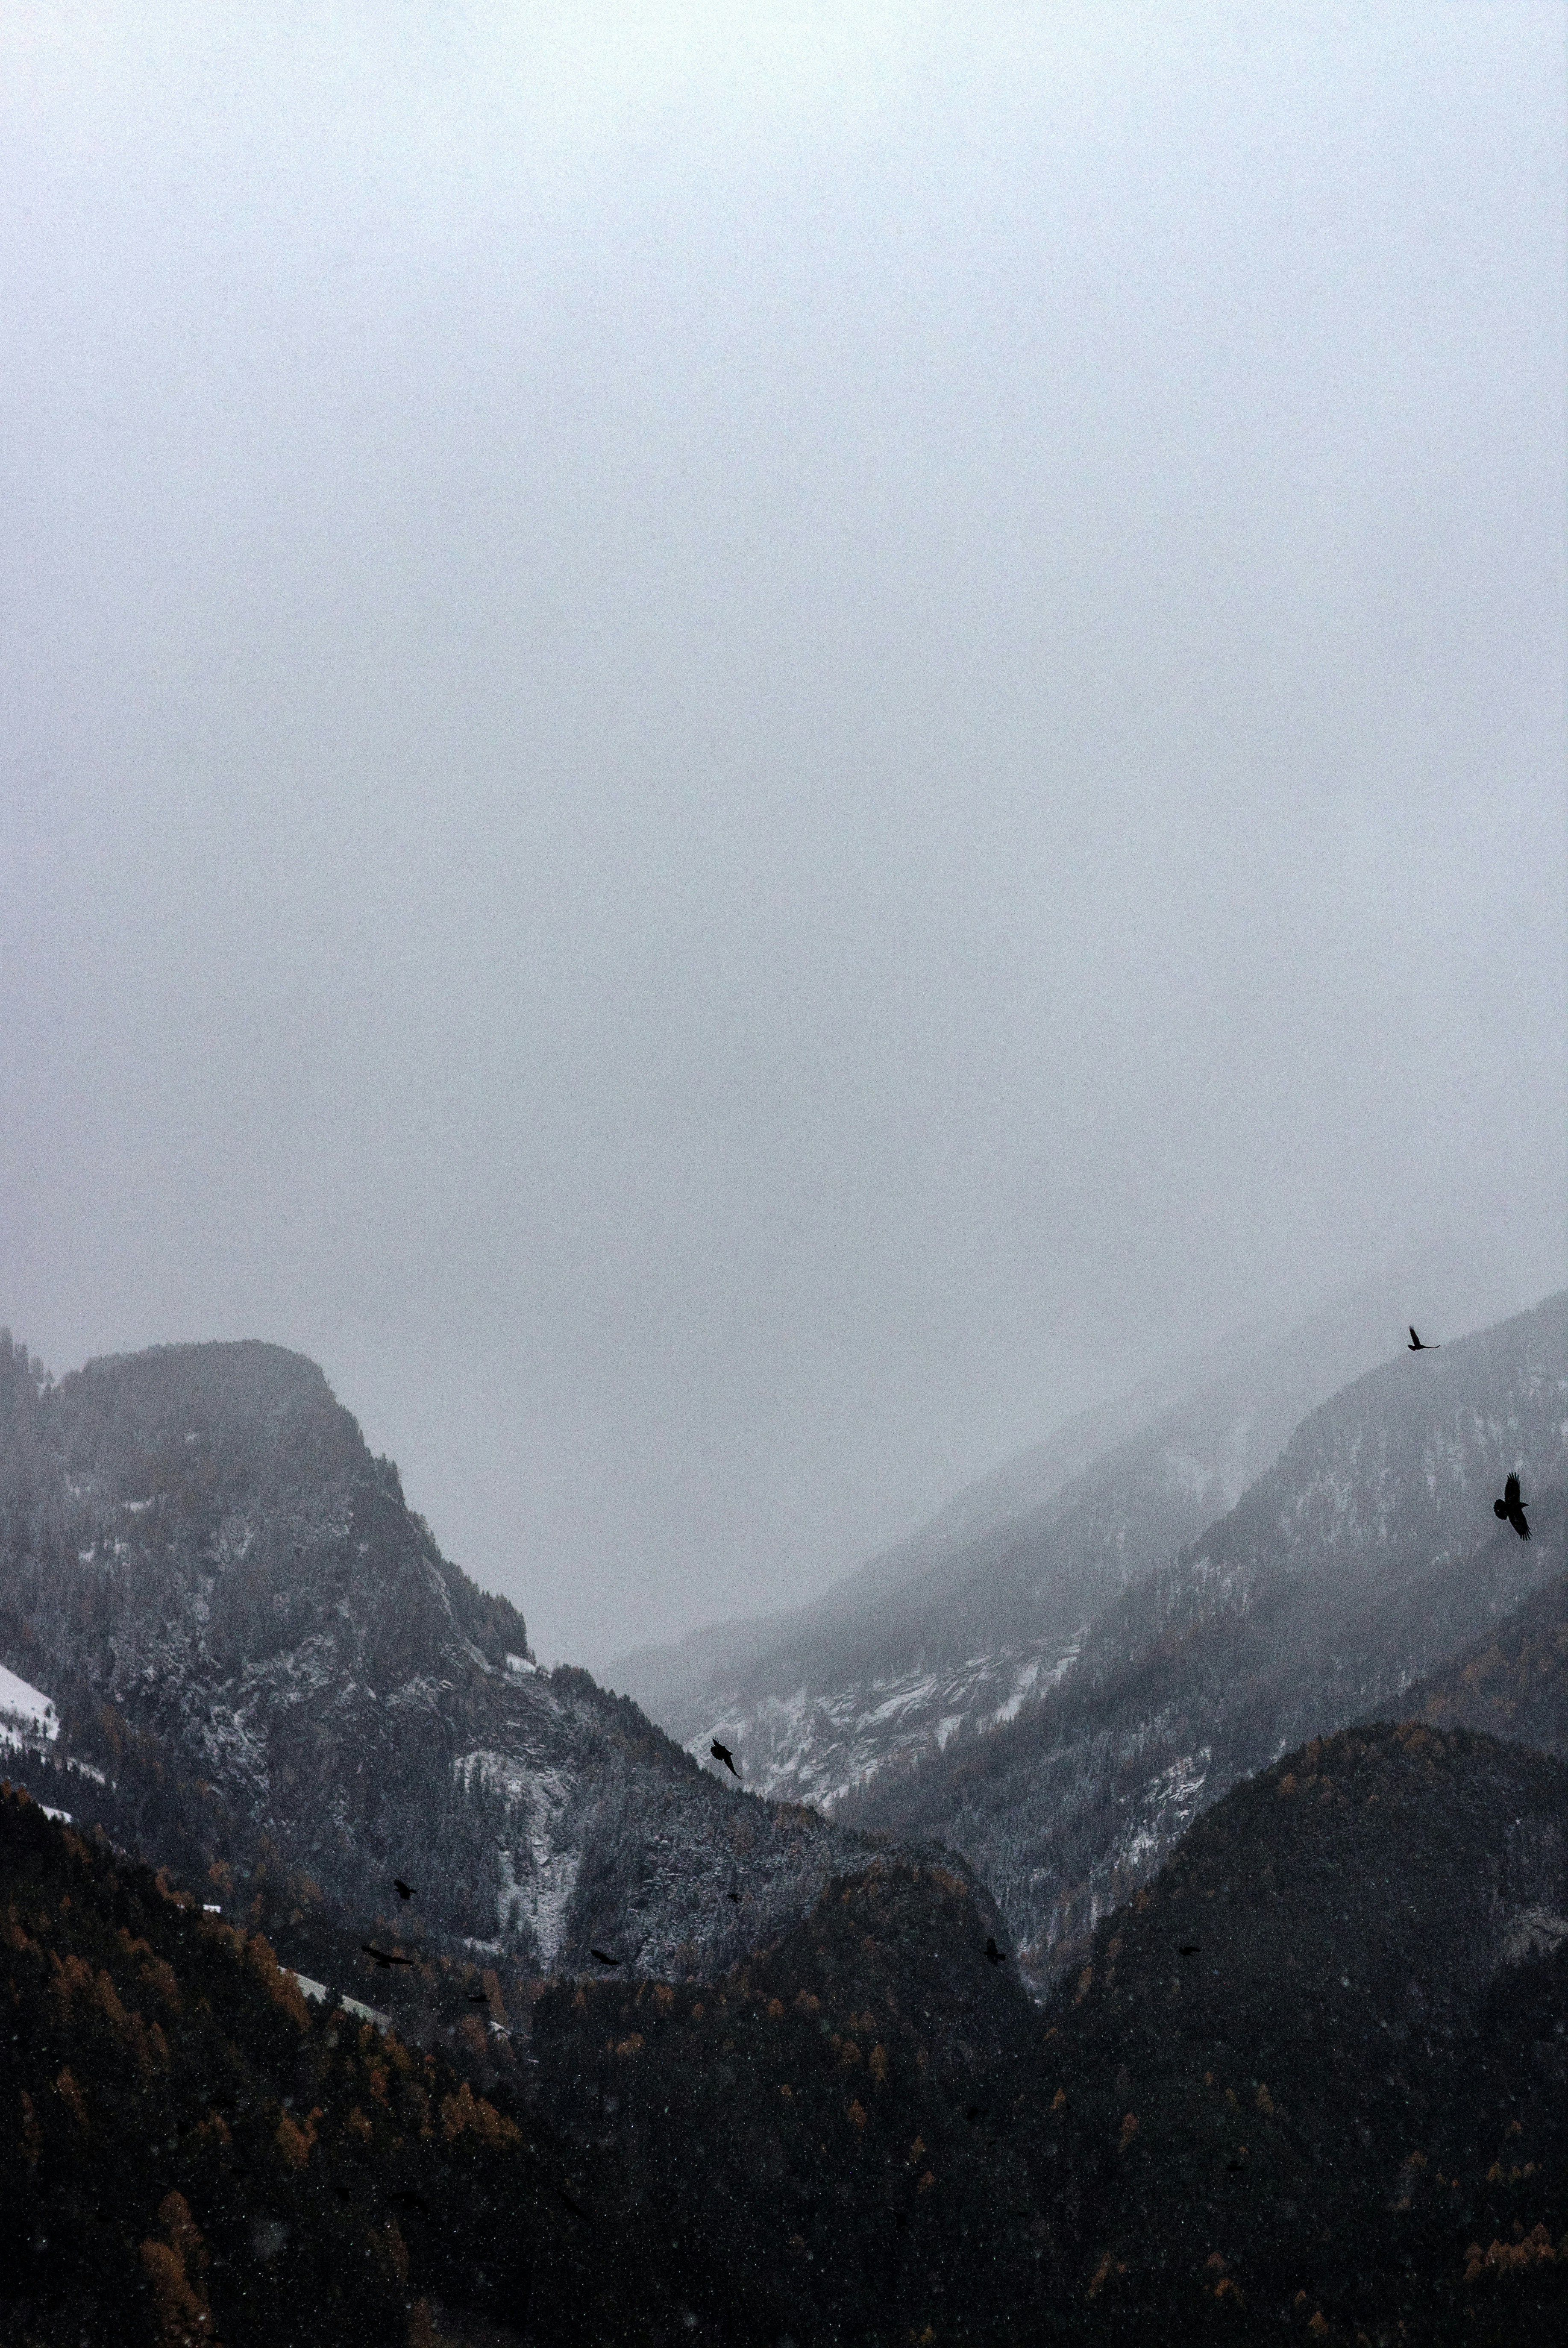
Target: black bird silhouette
{"points": [[1417, 1344], [1511, 1507], [404, 1890], [1189, 1948], [383, 1960], [1234, 2168], [722, 1753], [479, 1997], [993, 1955], [603, 1960], [342, 2192], [976, 2112], [735, 1896]]}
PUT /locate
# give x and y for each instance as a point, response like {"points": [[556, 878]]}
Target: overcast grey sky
{"points": [[744, 747]]}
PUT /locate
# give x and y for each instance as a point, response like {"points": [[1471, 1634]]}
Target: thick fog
{"points": [[745, 747]]}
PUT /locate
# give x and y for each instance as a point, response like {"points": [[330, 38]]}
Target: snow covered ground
{"points": [[319, 1995], [27, 1714], [807, 1747]]}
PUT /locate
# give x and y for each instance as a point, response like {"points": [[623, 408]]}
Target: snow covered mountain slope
{"points": [[242, 1624], [1360, 1562], [956, 1630]]}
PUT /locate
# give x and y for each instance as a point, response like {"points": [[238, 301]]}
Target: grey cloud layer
{"points": [[739, 758]]}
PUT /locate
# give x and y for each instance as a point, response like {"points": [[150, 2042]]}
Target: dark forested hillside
{"points": [[1364, 1560], [261, 1659], [1314, 2075], [189, 2152], [825, 2138], [1310, 2083]]}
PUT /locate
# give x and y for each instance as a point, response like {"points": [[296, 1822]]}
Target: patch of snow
{"points": [[537, 1874], [1533, 1932], [25, 1710], [1170, 1803], [319, 1995]]}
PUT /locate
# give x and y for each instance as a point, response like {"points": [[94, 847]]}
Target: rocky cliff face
{"points": [[1361, 1561], [261, 1649]]}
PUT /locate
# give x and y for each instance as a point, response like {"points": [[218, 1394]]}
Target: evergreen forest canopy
{"points": [[1310, 2083]]}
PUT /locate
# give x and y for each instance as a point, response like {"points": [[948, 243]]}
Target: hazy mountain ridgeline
{"points": [[259, 1654], [954, 1630], [1359, 1563], [1511, 1681], [677, 1675]]}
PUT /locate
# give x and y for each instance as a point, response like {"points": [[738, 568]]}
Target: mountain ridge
{"points": [[990, 1627], [257, 1646], [1339, 1579]]}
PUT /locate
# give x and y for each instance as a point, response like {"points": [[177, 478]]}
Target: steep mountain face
{"points": [[1511, 1681], [956, 1632], [260, 1650], [1360, 1562]]}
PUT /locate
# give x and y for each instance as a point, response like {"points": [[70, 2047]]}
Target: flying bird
{"points": [[479, 1997], [1189, 1948], [383, 1960], [1418, 1345], [1511, 1507], [404, 1890], [993, 1955], [603, 1959], [722, 1753], [735, 1896]]}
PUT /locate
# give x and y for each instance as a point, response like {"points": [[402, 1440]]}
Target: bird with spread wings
{"points": [[1511, 1507]]}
